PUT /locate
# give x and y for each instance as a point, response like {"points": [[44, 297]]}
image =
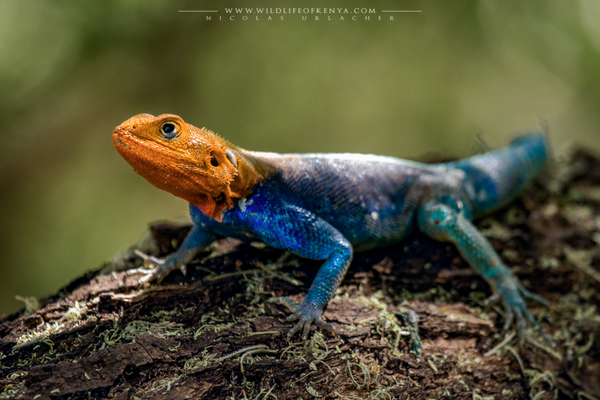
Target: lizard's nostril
{"points": [[213, 161]]}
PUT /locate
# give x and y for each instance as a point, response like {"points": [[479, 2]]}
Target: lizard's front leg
{"points": [[196, 240], [320, 292], [292, 228], [442, 222]]}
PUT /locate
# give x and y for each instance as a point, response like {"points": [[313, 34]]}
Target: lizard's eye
{"points": [[169, 130]]}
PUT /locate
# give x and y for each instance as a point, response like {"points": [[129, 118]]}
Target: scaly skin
{"points": [[326, 206]]}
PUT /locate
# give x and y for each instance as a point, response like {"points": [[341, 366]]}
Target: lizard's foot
{"points": [[305, 314], [512, 292], [161, 268]]}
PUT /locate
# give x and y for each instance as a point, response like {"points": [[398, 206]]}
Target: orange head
{"points": [[191, 163]]}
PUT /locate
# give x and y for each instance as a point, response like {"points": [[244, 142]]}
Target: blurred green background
{"points": [[426, 82]]}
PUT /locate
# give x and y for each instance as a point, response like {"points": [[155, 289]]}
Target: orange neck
{"points": [[251, 171]]}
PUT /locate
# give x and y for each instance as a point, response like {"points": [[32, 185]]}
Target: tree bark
{"points": [[217, 334]]}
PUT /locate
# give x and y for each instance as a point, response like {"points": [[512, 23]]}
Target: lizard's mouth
{"points": [[119, 136], [118, 142]]}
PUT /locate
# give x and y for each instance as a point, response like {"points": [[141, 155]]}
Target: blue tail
{"points": [[495, 178]]}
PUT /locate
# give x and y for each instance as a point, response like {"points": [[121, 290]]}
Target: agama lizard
{"points": [[326, 206]]}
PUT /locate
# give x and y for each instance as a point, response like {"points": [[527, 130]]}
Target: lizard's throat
{"points": [[209, 193], [210, 198]]}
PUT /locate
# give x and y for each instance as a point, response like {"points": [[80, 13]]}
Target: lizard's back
{"points": [[370, 199]]}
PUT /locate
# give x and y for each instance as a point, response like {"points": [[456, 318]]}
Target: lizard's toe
{"points": [[148, 274], [518, 312], [159, 268], [295, 329], [293, 307], [151, 275], [513, 293], [293, 317], [304, 323], [509, 317], [528, 295], [324, 325], [493, 299], [306, 330]]}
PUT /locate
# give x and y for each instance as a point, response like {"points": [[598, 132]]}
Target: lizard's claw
{"points": [[305, 314], [162, 267], [512, 292]]}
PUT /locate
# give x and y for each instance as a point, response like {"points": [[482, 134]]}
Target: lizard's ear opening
{"points": [[231, 157], [217, 159]]}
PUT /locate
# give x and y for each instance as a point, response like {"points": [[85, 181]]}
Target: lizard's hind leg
{"points": [[443, 222]]}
